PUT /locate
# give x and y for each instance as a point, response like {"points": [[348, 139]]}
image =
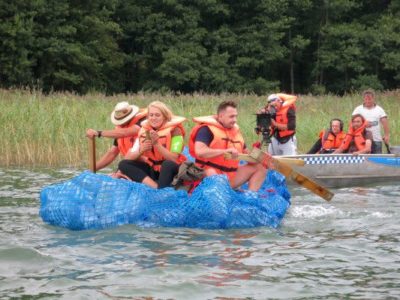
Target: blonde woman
{"points": [[156, 155]]}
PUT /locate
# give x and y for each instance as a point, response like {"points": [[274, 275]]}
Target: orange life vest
{"points": [[126, 143], [223, 138], [281, 114], [356, 136], [153, 157], [331, 141]]}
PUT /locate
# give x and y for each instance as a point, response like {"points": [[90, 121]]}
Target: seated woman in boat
{"points": [[156, 155], [329, 139], [358, 140]]}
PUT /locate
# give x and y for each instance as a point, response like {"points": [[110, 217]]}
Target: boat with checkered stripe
{"points": [[345, 170]]}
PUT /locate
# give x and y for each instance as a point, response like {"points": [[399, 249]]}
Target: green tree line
{"points": [[210, 46]]}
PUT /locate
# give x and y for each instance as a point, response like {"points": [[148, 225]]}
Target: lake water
{"points": [[348, 248]]}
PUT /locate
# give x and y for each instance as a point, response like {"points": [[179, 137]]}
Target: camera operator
{"points": [[283, 124]]}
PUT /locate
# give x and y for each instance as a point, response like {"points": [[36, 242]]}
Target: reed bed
{"points": [[49, 130]]}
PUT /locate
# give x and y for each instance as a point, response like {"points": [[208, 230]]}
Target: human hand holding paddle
{"points": [[232, 153], [91, 133]]}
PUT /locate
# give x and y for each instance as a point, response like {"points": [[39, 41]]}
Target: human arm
{"points": [[175, 148], [203, 139], [338, 150], [385, 125], [138, 149], [107, 158], [366, 149], [113, 133], [203, 151], [368, 144]]}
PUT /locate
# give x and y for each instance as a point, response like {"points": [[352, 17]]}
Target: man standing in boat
{"points": [[127, 120], [283, 124], [212, 137], [375, 115]]}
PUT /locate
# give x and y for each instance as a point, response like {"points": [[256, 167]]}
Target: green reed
{"points": [[49, 130]]}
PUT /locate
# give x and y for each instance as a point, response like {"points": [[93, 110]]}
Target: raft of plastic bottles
{"points": [[96, 201]]}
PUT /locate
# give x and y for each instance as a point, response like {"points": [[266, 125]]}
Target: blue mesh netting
{"points": [[94, 201]]}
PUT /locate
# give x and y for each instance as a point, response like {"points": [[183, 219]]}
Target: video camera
{"points": [[263, 122]]}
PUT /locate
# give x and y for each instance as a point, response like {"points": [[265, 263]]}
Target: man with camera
{"points": [[283, 124]]}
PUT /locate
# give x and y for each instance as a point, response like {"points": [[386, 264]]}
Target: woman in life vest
{"points": [[156, 155], [127, 120], [358, 140], [330, 139]]}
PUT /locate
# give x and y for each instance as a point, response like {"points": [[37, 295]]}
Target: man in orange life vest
{"points": [[358, 140], [212, 137], [330, 139], [283, 125], [127, 119]]}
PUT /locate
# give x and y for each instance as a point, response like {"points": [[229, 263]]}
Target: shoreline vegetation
{"points": [[39, 130]]}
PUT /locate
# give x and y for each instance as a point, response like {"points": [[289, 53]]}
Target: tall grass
{"points": [[49, 130]]}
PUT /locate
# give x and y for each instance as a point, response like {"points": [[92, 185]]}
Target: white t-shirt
{"points": [[373, 116]]}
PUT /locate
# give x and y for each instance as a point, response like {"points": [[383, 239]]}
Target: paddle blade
{"points": [[303, 180], [92, 154], [285, 169], [262, 156]]}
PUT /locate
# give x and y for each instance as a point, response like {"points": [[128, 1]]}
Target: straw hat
{"points": [[123, 112]]}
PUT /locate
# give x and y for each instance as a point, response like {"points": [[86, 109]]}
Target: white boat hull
{"points": [[341, 170]]}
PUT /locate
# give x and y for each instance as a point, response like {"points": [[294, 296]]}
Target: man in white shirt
{"points": [[375, 115]]}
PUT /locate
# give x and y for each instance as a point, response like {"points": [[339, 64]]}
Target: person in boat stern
{"points": [[283, 124], [156, 155], [375, 115], [127, 119], [358, 139], [212, 137], [330, 139]]}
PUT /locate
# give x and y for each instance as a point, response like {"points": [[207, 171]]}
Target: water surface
{"points": [[348, 248]]}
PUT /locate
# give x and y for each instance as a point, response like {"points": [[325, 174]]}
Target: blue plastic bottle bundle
{"points": [[96, 201]]}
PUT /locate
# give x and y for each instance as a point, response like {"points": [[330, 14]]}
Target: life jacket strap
{"points": [[216, 166]]}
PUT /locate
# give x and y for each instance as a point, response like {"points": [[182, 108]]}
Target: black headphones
{"points": [[340, 122]]}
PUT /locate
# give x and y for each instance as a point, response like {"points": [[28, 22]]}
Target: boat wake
{"points": [[315, 211]]}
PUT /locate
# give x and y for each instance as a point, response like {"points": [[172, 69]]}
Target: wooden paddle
{"points": [[303, 180], [249, 158], [285, 169], [92, 154]]}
